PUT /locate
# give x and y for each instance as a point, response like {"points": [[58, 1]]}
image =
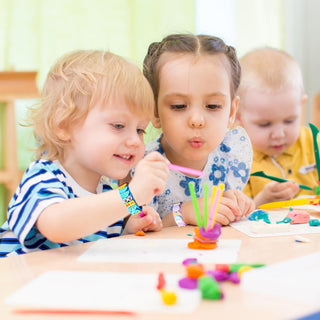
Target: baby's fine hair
{"points": [[196, 45], [269, 70], [76, 83]]}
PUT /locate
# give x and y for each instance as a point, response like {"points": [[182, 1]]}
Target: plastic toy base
{"points": [[205, 240], [200, 245]]}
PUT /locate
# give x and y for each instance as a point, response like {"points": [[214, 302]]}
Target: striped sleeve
{"points": [[43, 185], [39, 189]]}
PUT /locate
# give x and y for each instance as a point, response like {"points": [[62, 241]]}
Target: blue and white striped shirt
{"points": [[43, 184]]}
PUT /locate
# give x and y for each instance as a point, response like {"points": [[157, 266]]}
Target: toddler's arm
{"points": [[75, 218], [233, 205], [276, 191]]}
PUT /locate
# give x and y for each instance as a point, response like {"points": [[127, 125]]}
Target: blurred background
{"points": [[34, 33]]}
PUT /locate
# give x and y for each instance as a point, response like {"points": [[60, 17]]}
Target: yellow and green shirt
{"points": [[290, 165]]}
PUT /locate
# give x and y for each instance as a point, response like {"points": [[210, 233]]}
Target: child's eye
{"points": [[289, 121], [118, 126], [213, 106], [141, 131], [178, 106], [264, 125]]}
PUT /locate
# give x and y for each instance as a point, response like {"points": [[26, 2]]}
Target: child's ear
{"points": [[156, 120], [238, 119], [303, 109], [304, 99], [233, 111], [61, 127], [62, 132]]}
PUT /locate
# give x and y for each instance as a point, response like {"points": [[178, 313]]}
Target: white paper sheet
{"points": [[296, 279], [246, 226], [309, 207], [77, 290], [158, 250]]}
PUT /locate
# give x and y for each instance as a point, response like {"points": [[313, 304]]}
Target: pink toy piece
{"points": [[188, 283], [212, 234], [189, 261], [218, 275], [234, 277], [190, 171], [298, 216], [202, 240]]}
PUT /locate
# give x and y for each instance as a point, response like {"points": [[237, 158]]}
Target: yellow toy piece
{"points": [[243, 269], [290, 203], [168, 297]]}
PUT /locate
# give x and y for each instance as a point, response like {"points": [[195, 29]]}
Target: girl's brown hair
{"points": [[190, 44]]}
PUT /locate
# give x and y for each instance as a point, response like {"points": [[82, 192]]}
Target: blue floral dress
{"points": [[230, 164]]}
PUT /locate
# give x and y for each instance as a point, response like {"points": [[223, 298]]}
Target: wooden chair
{"points": [[13, 85], [315, 104]]}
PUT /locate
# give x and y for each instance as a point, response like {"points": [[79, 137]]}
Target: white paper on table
{"points": [[309, 207], [108, 291], [296, 279], [244, 225], [158, 250]]}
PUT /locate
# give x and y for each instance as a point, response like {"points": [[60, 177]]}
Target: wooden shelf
{"points": [[13, 85]]}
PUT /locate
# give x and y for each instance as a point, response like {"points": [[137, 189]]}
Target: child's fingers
{"points": [[276, 191], [285, 191], [231, 202], [153, 172], [245, 204], [153, 221], [154, 226], [157, 161], [155, 155], [225, 213], [222, 219], [250, 207]]}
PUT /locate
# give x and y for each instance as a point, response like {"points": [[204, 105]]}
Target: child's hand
{"points": [[150, 177], [276, 191], [233, 205], [151, 221], [238, 203]]}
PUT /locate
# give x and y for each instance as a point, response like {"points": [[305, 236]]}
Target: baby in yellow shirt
{"points": [[271, 101]]}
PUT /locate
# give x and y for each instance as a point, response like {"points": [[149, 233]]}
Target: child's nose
{"points": [[197, 120], [278, 132], [133, 139]]}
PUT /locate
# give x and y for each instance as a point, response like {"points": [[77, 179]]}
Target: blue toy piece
{"points": [[259, 215], [314, 222], [285, 220]]}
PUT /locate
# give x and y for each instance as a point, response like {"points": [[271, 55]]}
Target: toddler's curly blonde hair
{"points": [[75, 84]]}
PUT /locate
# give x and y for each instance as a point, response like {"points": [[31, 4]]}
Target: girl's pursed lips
{"points": [[196, 139], [196, 143]]}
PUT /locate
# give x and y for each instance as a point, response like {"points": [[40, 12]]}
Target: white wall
{"points": [[217, 18], [303, 41], [291, 25]]}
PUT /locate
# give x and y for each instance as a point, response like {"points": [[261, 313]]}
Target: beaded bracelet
{"points": [[177, 215], [129, 200]]}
